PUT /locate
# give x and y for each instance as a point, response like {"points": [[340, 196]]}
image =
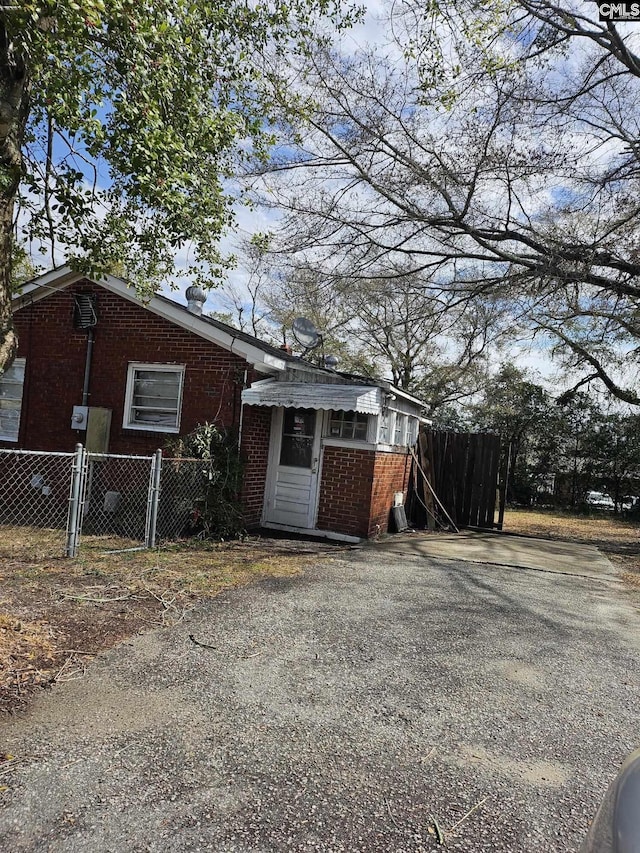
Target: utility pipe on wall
{"points": [[244, 385], [91, 335]]}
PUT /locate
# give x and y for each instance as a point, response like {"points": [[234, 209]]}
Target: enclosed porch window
{"points": [[349, 425]]}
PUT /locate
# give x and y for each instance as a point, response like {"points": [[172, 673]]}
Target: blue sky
{"points": [[370, 31]]}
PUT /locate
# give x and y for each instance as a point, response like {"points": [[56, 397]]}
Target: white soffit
{"points": [[301, 395]]}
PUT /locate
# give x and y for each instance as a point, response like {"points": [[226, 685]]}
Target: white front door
{"points": [[292, 484]]}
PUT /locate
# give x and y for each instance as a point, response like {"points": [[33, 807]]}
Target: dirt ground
{"points": [[57, 614], [617, 538]]}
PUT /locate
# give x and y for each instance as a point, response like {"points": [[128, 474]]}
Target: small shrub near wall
{"points": [[215, 511]]}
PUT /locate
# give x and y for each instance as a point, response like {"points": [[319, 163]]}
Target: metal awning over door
{"points": [[365, 399]]}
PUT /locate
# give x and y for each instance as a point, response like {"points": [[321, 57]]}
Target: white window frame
{"points": [[384, 429], [348, 438], [400, 423], [6, 379], [413, 427], [132, 369]]}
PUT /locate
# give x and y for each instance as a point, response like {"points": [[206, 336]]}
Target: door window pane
{"points": [[298, 429]]}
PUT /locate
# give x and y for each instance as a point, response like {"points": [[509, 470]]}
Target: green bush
{"points": [[216, 512]]}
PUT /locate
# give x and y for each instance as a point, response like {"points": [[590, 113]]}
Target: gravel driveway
{"points": [[352, 709]]}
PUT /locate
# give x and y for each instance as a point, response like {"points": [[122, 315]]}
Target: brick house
{"points": [[324, 452]]}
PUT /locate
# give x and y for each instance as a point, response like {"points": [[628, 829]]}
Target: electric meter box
{"points": [[79, 417], [98, 429]]}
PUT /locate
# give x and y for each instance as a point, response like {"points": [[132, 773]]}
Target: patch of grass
{"points": [[202, 572], [557, 524], [206, 569], [616, 537]]}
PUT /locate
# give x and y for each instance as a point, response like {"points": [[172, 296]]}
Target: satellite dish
{"points": [[306, 333]]}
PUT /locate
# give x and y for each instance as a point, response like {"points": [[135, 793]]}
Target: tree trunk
{"points": [[14, 110], [574, 479]]}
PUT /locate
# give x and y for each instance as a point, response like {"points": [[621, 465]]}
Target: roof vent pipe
{"points": [[196, 297], [330, 362]]}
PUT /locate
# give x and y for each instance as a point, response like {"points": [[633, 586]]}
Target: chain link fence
{"points": [[182, 497], [135, 501], [34, 491]]}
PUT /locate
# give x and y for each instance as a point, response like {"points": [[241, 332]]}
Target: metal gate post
{"points": [[152, 501], [76, 489]]}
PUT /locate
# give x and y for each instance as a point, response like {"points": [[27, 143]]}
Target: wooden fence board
{"points": [[466, 473]]}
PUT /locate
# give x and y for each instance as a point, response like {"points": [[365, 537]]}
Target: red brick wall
{"points": [[357, 489], [126, 332], [256, 432], [345, 490], [390, 474]]}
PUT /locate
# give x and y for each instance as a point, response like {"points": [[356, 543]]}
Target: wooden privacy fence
{"points": [[457, 480]]}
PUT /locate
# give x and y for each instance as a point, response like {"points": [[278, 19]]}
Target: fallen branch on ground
{"points": [[464, 817], [202, 645], [438, 831], [393, 820], [93, 600], [169, 604], [79, 652]]}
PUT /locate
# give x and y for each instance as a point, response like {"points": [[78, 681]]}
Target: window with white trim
{"points": [[154, 397], [350, 425], [11, 384], [412, 432], [400, 431], [385, 427]]}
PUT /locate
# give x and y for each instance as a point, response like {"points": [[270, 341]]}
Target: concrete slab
{"points": [[504, 550]]}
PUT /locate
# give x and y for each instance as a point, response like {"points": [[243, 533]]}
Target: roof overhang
{"points": [[394, 391], [44, 285], [366, 399]]}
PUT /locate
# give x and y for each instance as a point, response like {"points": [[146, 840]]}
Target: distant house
{"points": [[324, 452]]}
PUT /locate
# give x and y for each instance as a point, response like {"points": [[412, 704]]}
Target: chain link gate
{"points": [[111, 496]]}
